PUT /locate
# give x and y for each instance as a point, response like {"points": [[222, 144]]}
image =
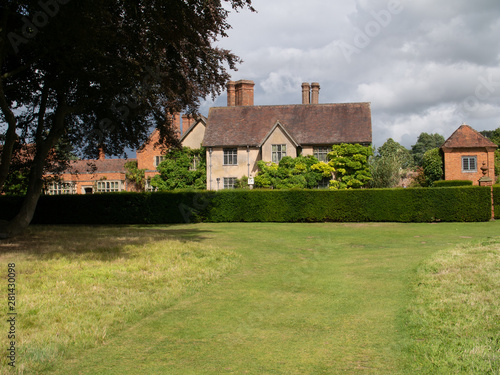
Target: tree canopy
{"points": [[388, 164], [425, 142], [103, 73]]}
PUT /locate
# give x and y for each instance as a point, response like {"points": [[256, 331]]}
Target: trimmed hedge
{"points": [[395, 205], [449, 183], [496, 200]]}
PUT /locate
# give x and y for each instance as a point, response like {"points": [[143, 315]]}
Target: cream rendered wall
{"points": [[217, 169], [195, 137], [278, 137], [307, 150]]}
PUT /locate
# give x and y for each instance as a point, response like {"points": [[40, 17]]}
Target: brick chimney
{"points": [[187, 122], [231, 98], [244, 92], [102, 154], [176, 123], [306, 93], [315, 93]]}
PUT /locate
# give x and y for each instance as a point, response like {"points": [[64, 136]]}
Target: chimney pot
{"points": [[315, 93], [231, 97], [306, 93]]}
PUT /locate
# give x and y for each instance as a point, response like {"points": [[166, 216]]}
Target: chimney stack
{"points": [[244, 92], [315, 93], [102, 154], [240, 93], [306, 93], [231, 98], [176, 123], [187, 122]]}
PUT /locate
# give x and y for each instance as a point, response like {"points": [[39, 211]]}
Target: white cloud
{"points": [[420, 68]]}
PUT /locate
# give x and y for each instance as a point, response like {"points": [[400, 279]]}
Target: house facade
{"points": [[466, 152], [241, 134], [109, 175]]}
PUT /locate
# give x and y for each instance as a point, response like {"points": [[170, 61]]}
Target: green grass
{"points": [[454, 323], [236, 298]]}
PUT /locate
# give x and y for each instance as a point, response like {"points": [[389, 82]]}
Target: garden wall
{"points": [[392, 205]]}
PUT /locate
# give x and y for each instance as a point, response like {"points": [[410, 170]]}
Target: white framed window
{"points": [[194, 163], [148, 187], [229, 182], [108, 186], [159, 159], [469, 163], [277, 153], [230, 156], [60, 188], [321, 153]]}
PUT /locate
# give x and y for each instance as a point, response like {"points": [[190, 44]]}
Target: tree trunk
{"points": [[35, 184]]}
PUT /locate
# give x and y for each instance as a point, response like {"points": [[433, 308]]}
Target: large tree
{"points": [[102, 73], [389, 163], [425, 142]]}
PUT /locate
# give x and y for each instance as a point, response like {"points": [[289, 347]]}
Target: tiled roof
{"points": [[308, 124], [466, 137], [98, 166]]}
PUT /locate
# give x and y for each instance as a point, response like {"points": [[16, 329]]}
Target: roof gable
{"points": [[466, 137], [307, 124], [276, 126]]}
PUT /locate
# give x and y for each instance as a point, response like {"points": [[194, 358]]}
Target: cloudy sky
{"points": [[425, 66]]}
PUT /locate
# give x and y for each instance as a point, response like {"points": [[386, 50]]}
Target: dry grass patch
{"points": [[76, 289]]}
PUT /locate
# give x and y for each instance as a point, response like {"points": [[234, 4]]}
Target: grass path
{"points": [[305, 299]]}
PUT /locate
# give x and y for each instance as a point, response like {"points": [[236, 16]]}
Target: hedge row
{"points": [[394, 205], [449, 183], [496, 200]]}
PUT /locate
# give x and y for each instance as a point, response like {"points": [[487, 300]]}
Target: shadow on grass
{"points": [[98, 242]]}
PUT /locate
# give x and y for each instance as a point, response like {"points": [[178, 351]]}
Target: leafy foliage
{"points": [[425, 142], [432, 164], [389, 164], [134, 174], [102, 73], [494, 136], [182, 169], [350, 165], [289, 173]]}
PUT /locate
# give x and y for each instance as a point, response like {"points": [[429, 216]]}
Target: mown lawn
{"points": [[236, 298]]}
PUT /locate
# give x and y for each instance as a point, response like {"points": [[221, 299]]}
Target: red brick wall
{"points": [[453, 164]]}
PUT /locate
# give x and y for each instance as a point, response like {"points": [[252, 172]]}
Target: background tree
{"points": [[432, 165], [389, 164], [350, 165], [494, 136], [424, 143], [289, 173], [182, 169], [98, 72], [135, 175]]}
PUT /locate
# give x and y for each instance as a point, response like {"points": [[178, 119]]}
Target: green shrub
{"points": [[449, 183]]}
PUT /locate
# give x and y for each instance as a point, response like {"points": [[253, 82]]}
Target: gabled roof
{"points": [[466, 137], [307, 124], [278, 125], [200, 119]]}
